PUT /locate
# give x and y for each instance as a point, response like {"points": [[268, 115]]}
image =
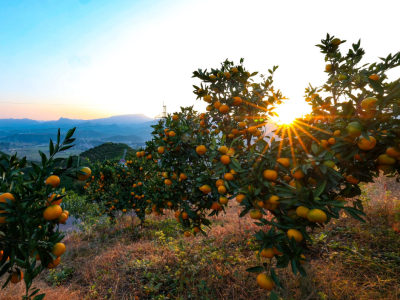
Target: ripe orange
{"points": [[216, 206], [63, 218], [171, 133], [187, 233], [284, 161], [336, 42], [205, 189], [201, 149], [312, 181], [358, 157], [336, 133], [352, 179], [240, 197], [222, 189], [268, 253], [252, 129], [161, 150], [302, 211], [298, 174], [274, 200], [228, 176], [175, 117], [242, 124], [295, 234], [224, 109], [17, 276], [390, 151], [168, 181], [368, 103], [53, 180], [56, 202], [270, 175], [230, 152], [317, 216], [196, 229], [87, 172], [185, 215], [328, 68], [219, 182], [223, 149], [225, 159], [256, 214], [332, 141], [5, 196], [58, 249], [276, 252], [223, 200], [374, 77], [207, 98], [234, 70], [217, 104], [364, 144], [52, 212], [302, 261], [183, 176], [237, 100], [54, 263], [385, 159], [265, 282]]}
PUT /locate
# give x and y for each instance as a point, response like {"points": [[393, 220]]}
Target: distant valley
{"points": [[27, 136]]}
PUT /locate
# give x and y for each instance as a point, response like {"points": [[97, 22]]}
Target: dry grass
{"points": [[349, 260]]}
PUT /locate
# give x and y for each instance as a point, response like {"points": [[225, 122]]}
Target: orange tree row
{"points": [[196, 163], [289, 186], [121, 186], [30, 213]]}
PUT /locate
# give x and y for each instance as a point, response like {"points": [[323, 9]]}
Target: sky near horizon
{"points": [[88, 59]]}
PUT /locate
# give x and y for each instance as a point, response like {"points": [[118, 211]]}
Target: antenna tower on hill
{"points": [[163, 114]]}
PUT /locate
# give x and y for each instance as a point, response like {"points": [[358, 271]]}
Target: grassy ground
{"points": [[348, 260]]}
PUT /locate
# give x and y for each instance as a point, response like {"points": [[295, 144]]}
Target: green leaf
{"points": [[70, 133], [39, 297], [274, 296], [318, 191], [275, 278], [376, 86], [255, 269]]}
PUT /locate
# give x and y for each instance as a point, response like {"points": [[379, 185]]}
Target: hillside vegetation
{"points": [[105, 151], [349, 260]]}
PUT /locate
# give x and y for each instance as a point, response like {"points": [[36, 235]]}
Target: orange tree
{"points": [[313, 172], [30, 213], [120, 187], [290, 186], [201, 155]]}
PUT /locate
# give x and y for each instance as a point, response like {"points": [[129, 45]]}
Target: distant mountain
{"points": [[28, 124]]}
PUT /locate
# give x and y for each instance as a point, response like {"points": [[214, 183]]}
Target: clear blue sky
{"points": [[97, 58]]}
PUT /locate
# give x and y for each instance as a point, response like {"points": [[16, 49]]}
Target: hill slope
{"points": [[105, 151]]}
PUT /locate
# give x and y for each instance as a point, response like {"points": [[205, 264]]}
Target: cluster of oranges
{"points": [[30, 211], [306, 174]]}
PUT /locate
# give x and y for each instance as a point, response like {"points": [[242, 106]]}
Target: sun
{"points": [[291, 110]]}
